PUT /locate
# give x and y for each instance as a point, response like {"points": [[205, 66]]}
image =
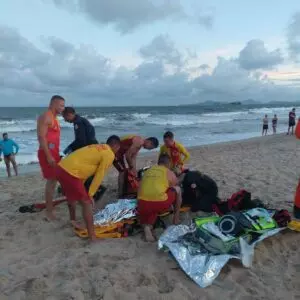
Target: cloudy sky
{"points": [[148, 52]]}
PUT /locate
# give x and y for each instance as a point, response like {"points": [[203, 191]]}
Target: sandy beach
{"points": [[40, 260]]}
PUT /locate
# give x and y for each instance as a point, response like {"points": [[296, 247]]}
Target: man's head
{"points": [[5, 136], [57, 104], [114, 143], [294, 109], [151, 143], [69, 114], [275, 116], [266, 116], [164, 160], [169, 138]]}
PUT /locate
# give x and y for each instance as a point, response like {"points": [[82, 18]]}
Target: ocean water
{"points": [[192, 125]]}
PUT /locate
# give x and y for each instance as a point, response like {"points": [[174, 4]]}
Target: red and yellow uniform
{"points": [[126, 143], [155, 195], [53, 141], [75, 169], [178, 154], [297, 195]]}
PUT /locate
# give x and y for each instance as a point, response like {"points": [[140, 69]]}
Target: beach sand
{"points": [[40, 260]]}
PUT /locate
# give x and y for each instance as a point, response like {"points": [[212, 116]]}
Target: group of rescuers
{"points": [[158, 190]]}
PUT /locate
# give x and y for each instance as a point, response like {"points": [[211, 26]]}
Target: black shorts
{"points": [[292, 123], [7, 156], [265, 127]]}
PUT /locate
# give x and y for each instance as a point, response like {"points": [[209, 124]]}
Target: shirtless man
{"points": [[297, 194], [129, 149], [48, 131], [265, 125], [292, 121]]}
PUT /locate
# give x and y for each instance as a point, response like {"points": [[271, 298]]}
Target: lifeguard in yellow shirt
{"points": [[75, 169], [177, 152]]}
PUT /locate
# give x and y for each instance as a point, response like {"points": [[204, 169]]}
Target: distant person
{"points": [[75, 169], [292, 121], [48, 131], [274, 124], [129, 149], [9, 148], [158, 191], [265, 125], [83, 129], [177, 152]]}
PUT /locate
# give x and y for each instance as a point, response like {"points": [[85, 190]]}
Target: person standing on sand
{"points": [[297, 194], [10, 150], [158, 191], [48, 132], [83, 129], [274, 123], [265, 125], [292, 121], [75, 169]]}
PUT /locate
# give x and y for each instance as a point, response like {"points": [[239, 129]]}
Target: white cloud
{"points": [[255, 56], [293, 37], [128, 15], [85, 77]]}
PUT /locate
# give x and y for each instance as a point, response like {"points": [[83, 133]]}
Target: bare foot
{"points": [[94, 240], [148, 234], [50, 216], [176, 220], [77, 225]]}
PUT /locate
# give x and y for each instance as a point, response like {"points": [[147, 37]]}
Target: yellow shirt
{"points": [[179, 155], [154, 184], [93, 160]]}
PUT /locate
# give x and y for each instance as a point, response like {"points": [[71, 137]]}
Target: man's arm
{"points": [[185, 153], [16, 147], [132, 152], [173, 181], [42, 127], [102, 169]]}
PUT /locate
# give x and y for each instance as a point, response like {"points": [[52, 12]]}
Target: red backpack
{"points": [[237, 202]]}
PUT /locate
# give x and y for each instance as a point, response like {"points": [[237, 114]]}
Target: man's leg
{"points": [[7, 164], [178, 203], [13, 161], [292, 130], [87, 214], [121, 179], [49, 192]]}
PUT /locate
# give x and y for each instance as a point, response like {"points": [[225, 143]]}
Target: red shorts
{"points": [[149, 210], [73, 187], [47, 170]]}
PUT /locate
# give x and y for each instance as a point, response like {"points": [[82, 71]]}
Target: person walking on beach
{"points": [[292, 121], [274, 123], [265, 125], [83, 129], [10, 150], [48, 132], [75, 169]]}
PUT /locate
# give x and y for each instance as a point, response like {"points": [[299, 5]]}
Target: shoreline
{"points": [[33, 168]]}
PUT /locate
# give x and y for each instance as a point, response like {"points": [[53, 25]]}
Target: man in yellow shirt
{"points": [[71, 172], [177, 152], [158, 191]]}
